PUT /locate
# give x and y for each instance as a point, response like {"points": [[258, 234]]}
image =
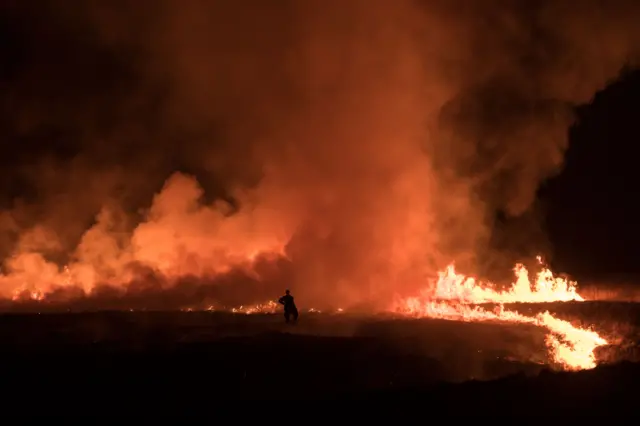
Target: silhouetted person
{"points": [[290, 309]]}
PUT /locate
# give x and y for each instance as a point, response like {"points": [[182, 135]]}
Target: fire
{"points": [[453, 297], [24, 293], [456, 297], [546, 288], [260, 308], [180, 235], [269, 307]]}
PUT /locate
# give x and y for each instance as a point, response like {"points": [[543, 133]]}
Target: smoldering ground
{"points": [[364, 144]]}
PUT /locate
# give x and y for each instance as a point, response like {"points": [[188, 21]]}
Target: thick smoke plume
{"points": [[183, 151]]}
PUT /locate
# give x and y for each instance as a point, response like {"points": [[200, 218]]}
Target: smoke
{"points": [[216, 149]]}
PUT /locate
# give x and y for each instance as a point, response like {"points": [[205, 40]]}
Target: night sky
{"points": [[356, 121], [592, 205]]}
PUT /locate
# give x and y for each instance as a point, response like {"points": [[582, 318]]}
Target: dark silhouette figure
{"points": [[290, 309]]}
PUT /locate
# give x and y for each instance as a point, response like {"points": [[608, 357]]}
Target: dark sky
{"points": [[593, 210], [374, 141]]}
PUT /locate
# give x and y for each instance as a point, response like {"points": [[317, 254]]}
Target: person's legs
{"points": [[286, 315]]}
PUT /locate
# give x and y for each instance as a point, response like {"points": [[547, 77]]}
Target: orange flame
{"points": [[269, 307], [455, 295], [546, 288]]}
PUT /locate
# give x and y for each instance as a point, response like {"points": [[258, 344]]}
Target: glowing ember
{"points": [[570, 346], [24, 293], [269, 307], [263, 308]]}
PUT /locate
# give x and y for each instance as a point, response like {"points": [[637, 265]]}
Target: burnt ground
{"points": [[149, 362]]}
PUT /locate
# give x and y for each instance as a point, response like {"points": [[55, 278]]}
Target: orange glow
{"points": [[23, 293], [269, 307], [455, 297], [180, 236], [452, 297], [545, 288], [261, 308]]}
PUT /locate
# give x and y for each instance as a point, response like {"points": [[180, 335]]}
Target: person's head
{"points": [[287, 291]]}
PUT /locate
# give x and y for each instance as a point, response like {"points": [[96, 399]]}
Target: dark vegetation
{"points": [[151, 362]]}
